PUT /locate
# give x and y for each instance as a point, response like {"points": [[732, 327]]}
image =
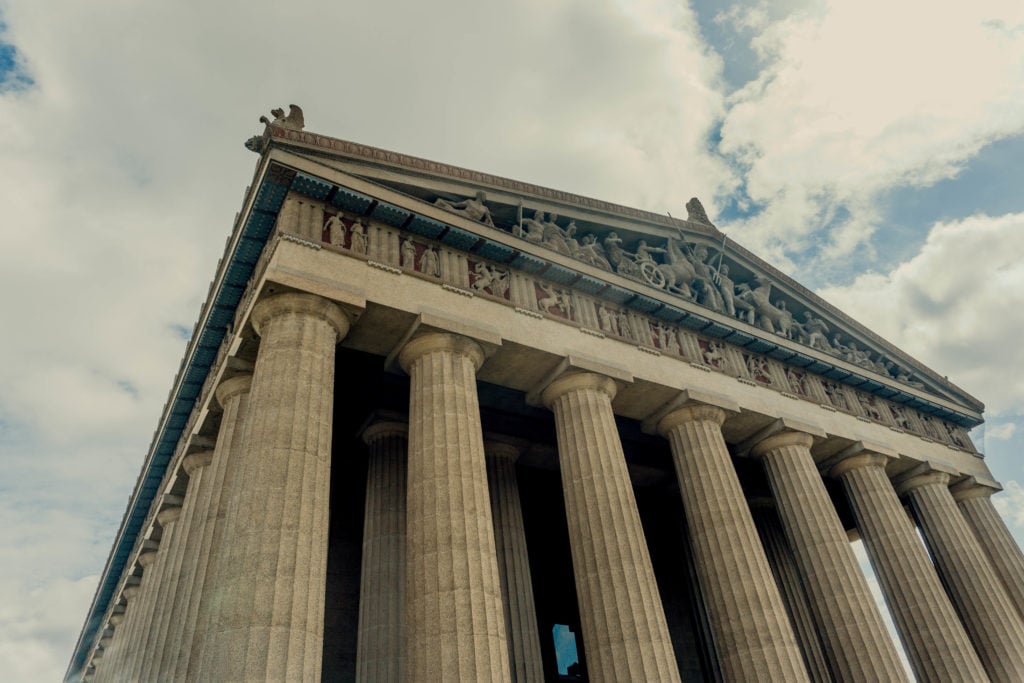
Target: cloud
{"points": [[860, 97], [955, 306], [1001, 432], [1010, 503]]}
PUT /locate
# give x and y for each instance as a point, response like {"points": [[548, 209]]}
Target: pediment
{"points": [[680, 270]]}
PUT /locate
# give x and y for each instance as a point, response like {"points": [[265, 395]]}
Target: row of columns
{"points": [[446, 587]]}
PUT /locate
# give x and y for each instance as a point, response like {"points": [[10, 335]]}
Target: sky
{"points": [[872, 150]]}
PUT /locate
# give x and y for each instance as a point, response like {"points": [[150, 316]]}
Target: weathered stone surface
{"points": [[268, 598], [991, 619], [624, 629], [856, 642], [455, 625], [751, 630], [218, 481], [380, 654], [995, 539], [513, 563], [787, 578], [932, 635]]}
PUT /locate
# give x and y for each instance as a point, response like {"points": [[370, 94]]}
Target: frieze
{"points": [[470, 274], [532, 295]]}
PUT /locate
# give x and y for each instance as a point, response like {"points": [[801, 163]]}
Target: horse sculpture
{"points": [[768, 316], [678, 272]]}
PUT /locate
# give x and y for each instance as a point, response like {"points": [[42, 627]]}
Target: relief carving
{"points": [[430, 264], [473, 208], [554, 301], [494, 281]]}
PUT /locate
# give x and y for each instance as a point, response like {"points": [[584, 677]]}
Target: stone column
{"points": [[513, 563], [932, 635], [124, 635], [975, 503], [991, 620], [455, 626], [142, 641], [217, 482], [856, 642], [170, 550], [181, 571], [624, 629], [787, 578], [268, 599], [380, 652], [752, 634]]}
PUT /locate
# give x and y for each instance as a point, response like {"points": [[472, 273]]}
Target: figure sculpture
{"points": [[429, 263], [532, 229], [294, 120], [695, 212], [335, 231], [358, 240], [474, 208], [492, 279], [409, 254]]}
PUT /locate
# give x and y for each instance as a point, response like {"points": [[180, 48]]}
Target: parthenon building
{"points": [[431, 418]]}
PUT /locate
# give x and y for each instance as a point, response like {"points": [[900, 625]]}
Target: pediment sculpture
{"points": [[691, 270]]}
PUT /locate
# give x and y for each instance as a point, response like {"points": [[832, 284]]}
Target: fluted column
{"points": [[974, 501], [380, 652], [624, 629], [751, 630], [787, 578], [932, 635], [217, 480], [455, 626], [168, 515], [179, 578], [268, 599], [171, 519], [991, 619], [111, 668], [856, 642], [513, 563], [116, 644]]}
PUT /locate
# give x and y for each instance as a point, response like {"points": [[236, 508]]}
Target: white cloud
{"points": [[1010, 504], [957, 306], [860, 97], [1001, 432]]}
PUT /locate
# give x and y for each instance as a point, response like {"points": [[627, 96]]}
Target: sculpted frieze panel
{"points": [[358, 235], [687, 267]]}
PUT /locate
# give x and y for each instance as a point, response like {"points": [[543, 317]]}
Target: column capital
{"points": [[233, 386], [196, 461], [578, 381], [146, 558], [856, 456], [296, 302], [972, 487], [501, 450], [168, 515], [440, 341], [384, 428], [695, 412], [781, 440], [925, 474]]}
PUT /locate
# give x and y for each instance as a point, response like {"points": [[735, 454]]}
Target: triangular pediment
{"points": [[675, 269]]}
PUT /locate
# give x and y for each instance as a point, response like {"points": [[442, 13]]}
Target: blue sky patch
{"points": [[13, 74]]}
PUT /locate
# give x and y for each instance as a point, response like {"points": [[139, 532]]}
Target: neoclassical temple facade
{"points": [[430, 419]]}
